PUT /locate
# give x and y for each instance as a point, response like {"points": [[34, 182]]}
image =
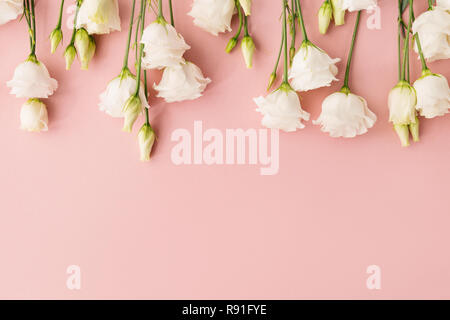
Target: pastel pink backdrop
{"points": [[78, 195]]}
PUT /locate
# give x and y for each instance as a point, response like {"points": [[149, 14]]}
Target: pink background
{"points": [[78, 195]]}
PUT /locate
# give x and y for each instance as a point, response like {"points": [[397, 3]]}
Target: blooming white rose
{"points": [[99, 16], [163, 46], [146, 139], [444, 4], [10, 10], [247, 6], [282, 110], [32, 80], [433, 28], [356, 5], [118, 91], [213, 16], [345, 114], [33, 116], [312, 68], [433, 95], [183, 82]]}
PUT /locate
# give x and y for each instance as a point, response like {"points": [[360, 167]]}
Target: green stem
{"points": [[141, 48], [72, 41], [147, 120], [422, 57], [160, 9], [33, 19], [246, 34], [172, 21], [302, 21], [58, 26], [294, 29], [26, 13], [130, 30], [350, 55], [399, 40], [406, 47], [279, 54], [285, 78], [430, 4], [241, 20]]}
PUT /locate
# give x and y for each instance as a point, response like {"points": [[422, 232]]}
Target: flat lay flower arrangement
{"points": [[155, 43]]}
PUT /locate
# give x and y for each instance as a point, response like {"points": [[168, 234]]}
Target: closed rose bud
{"points": [[247, 6], [231, 44], [146, 139], [403, 133], [85, 45], [33, 116], [131, 110], [414, 129], [248, 48], [69, 54], [325, 14], [55, 38], [338, 12], [272, 79]]}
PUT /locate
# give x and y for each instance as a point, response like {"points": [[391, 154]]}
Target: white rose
{"points": [[213, 16], [163, 46], [433, 27], [99, 16], [183, 82], [32, 80], [433, 95], [402, 104], [33, 116], [312, 68], [345, 115], [281, 109], [356, 5], [10, 10], [444, 4], [118, 91]]}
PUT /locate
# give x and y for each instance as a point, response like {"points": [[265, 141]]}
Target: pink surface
{"points": [[78, 195]]}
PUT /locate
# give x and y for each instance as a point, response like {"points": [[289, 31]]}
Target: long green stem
{"points": [[72, 41], [26, 13], [246, 34], [279, 53], [33, 20], [172, 21], [141, 47], [58, 26], [350, 54], [293, 27], [406, 47], [421, 55], [399, 40], [241, 20], [285, 78], [130, 30], [430, 4], [302, 21], [147, 120]]}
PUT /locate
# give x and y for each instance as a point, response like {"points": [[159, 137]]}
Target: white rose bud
{"points": [[85, 45], [338, 12], [213, 16], [282, 110], [248, 49], [33, 116], [10, 10], [325, 14], [247, 6], [32, 80], [99, 16], [433, 95], [131, 110], [146, 139], [55, 39], [69, 54], [312, 68]]}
